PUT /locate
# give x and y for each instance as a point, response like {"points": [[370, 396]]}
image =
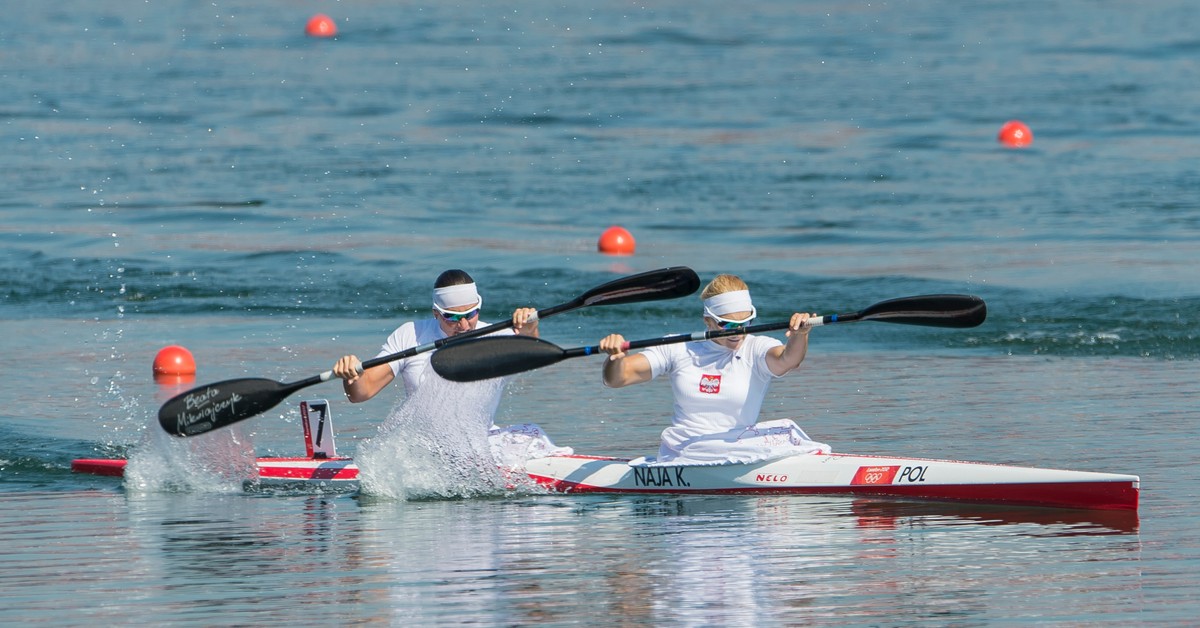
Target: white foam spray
{"points": [[220, 461], [434, 444]]}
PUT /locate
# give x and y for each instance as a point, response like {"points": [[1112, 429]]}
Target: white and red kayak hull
{"points": [[833, 474], [316, 471], [848, 474]]}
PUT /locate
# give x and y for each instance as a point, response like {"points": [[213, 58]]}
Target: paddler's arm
{"points": [[621, 369], [525, 322], [786, 357], [359, 388]]}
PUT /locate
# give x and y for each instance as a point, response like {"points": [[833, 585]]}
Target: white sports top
{"points": [[414, 334], [716, 390]]}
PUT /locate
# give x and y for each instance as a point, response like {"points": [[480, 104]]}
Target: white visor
{"points": [[718, 306], [456, 296]]}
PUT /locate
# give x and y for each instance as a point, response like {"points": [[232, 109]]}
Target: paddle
{"points": [[486, 358], [214, 406]]}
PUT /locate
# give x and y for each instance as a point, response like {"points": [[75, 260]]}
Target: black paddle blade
{"points": [[654, 285], [931, 310], [485, 358], [214, 406]]}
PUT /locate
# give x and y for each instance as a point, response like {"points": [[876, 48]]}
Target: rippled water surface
{"points": [[204, 174]]}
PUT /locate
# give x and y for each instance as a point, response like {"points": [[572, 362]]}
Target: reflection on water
{"points": [[554, 558], [890, 514], [816, 558]]}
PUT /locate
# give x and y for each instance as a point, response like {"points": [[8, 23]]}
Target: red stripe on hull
{"points": [[300, 468], [99, 466], [333, 469], [1085, 495]]}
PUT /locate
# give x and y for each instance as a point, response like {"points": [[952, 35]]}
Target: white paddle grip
{"points": [[328, 375]]}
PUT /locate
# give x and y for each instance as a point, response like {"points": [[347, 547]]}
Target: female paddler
{"points": [[720, 384], [456, 307]]}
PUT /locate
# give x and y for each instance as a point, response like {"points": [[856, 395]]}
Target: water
{"points": [[204, 174]]}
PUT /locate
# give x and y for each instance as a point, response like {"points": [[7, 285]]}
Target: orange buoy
{"points": [[321, 25], [174, 360], [616, 241], [1014, 134]]}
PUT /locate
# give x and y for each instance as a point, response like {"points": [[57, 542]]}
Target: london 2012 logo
{"points": [[710, 384]]}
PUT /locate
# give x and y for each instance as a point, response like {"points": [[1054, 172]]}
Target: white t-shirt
{"points": [[716, 389], [511, 445], [414, 334]]}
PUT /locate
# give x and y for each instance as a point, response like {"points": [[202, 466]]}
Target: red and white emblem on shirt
{"points": [[710, 384]]}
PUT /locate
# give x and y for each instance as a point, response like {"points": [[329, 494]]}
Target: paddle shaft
{"points": [[932, 311], [429, 346], [597, 296], [210, 407], [677, 338], [486, 358]]}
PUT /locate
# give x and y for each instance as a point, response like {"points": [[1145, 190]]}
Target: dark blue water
{"points": [[207, 175]]}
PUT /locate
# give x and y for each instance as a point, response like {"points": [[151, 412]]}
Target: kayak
{"points": [[813, 474], [809, 474]]}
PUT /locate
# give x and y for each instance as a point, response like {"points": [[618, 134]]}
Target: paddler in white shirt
{"points": [[456, 306], [720, 384]]}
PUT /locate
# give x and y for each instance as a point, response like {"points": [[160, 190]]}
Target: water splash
{"points": [[435, 445], [221, 461]]}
